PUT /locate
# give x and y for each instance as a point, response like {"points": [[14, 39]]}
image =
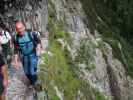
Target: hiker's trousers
{"points": [[1, 85], [30, 63]]}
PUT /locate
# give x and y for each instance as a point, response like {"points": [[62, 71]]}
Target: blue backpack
{"points": [[27, 47]]}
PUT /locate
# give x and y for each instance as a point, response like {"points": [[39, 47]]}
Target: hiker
{"points": [[3, 78], [26, 45], [6, 43]]}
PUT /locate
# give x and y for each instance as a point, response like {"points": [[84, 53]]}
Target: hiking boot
{"points": [[38, 86]]}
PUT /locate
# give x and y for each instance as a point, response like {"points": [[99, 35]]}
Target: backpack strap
{"points": [[5, 34], [32, 38], [16, 43]]}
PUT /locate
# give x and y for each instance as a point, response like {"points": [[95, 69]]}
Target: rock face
{"points": [[107, 74], [33, 13]]}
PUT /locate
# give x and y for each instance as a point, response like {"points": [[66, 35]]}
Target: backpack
{"points": [[5, 46], [3, 33], [29, 47]]}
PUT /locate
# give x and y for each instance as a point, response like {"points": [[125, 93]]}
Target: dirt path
{"points": [[18, 88]]}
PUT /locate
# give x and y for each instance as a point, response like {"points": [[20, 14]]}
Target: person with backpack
{"points": [[26, 44], [3, 78], [6, 43]]}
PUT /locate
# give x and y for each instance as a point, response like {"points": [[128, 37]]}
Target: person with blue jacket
{"points": [[26, 44]]}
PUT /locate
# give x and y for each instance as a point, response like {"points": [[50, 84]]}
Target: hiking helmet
{"points": [[20, 27]]}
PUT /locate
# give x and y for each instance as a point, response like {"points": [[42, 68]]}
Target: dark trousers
{"points": [[1, 85], [30, 67]]}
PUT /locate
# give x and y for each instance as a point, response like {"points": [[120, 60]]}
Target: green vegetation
{"points": [[64, 76], [88, 6], [61, 70], [118, 15], [99, 96], [116, 28], [122, 50], [86, 54], [113, 20], [57, 29]]}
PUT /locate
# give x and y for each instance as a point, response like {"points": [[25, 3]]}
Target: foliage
{"points": [[118, 15], [86, 54], [88, 6], [99, 96], [62, 71], [113, 19], [56, 29], [124, 54], [66, 79]]}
